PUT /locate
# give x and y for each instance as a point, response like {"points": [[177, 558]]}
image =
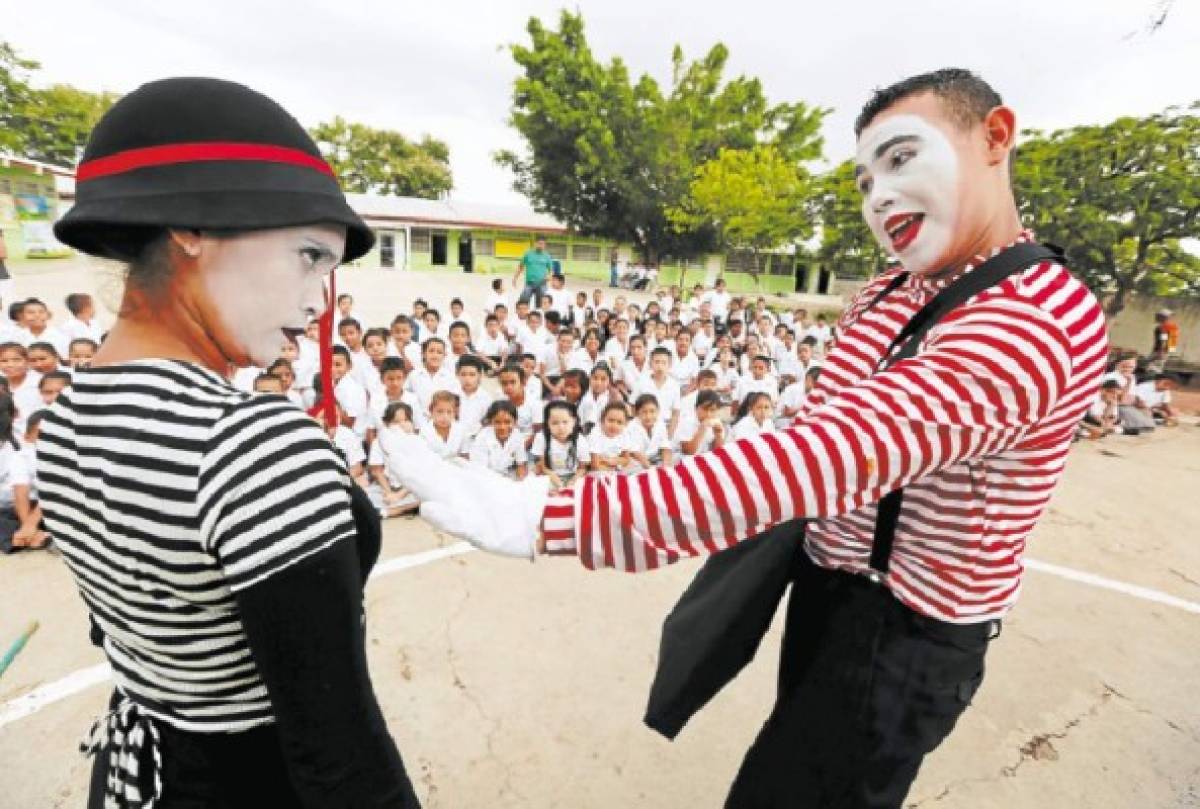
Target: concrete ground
{"points": [[508, 684]]}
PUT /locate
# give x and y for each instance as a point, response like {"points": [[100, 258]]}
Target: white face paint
{"points": [[266, 282], [908, 174]]}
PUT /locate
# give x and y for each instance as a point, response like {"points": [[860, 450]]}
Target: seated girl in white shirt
{"points": [[499, 446], [609, 444], [444, 434], [599, 393], [704, 430], [560, 449], [648, 443], [754, 416], [386, 492]]}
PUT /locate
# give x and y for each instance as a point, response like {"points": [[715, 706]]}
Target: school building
{"points": [[425, 234], [30, 202], [440, 234]]}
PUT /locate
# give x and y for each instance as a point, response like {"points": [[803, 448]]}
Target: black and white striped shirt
{"points": [[168, 491]]}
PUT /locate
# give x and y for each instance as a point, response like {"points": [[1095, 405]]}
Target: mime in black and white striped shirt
{"points": [[214, 535]]}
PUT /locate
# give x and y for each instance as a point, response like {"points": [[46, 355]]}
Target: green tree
{"points": [[847, 245], [60, 119], [1121, 198], [382, 161], [15, 95], [753, 199], [609, 155], [51, 124]]}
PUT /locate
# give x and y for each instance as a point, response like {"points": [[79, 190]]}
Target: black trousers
{"points": [[867, 688], [213, 771]]}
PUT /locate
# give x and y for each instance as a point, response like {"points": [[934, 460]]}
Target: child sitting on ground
{"points": [[704, 430], [599, 393], [560, 449], [80, 352], [22, 383], [499, 446], [434, 374], [43, 358], [443, 432], [473, 400], [393, 375], [754, 416], [52, 384], [1104, 416], [647, 435], [23, 493], [1154, 396], [386, 492], [609, 445], [529, 411]]}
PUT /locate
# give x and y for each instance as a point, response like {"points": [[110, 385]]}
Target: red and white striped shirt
{"points": [[976, 427]]}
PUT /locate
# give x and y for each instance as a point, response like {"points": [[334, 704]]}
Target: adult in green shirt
{"points": [[536, 264]]}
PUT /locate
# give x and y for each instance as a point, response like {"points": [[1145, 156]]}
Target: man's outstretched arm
{"points": [[975, 390]]}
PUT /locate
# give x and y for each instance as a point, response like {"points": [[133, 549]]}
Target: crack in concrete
{"points": [[1040, 747], [494, 724], [1184, 576]]}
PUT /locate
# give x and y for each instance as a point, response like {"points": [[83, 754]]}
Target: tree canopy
{"points": [[610, 155], [754, 199], [1121, 198], [50, 124], [382, 161]]}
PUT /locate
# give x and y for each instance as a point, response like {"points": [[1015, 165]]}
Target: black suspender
{"points": [[991, 272]]}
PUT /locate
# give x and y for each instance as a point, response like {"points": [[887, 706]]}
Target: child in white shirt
{"points": [[492, 343], [443, 432], [560, 449], [597, 397], [647, 436], [393, 377], [529, 411], [82, 323], [663, 387], [386, 492], [609, 445], [499, 446], [758, 381], [434, 375], [754, 416], [350, 395], [703, 431], [473, 400]]}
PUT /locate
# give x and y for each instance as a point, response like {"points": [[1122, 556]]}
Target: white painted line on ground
{"points": [[50, 693], [398, 563], [1134, 590], [83, 679]]}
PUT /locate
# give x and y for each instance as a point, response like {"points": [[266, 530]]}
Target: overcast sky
{"points": [[442, 67]]}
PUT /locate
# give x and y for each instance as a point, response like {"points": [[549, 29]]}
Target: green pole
{"points": [[16, 647]]}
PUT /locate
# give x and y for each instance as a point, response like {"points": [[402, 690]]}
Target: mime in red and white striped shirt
{"points": [[975, 427]]}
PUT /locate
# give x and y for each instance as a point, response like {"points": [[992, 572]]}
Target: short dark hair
{"points": [[393, 364], [389, 412], [77, 302], [966, 97], [470, 361], [55, 376], [349, 323]]}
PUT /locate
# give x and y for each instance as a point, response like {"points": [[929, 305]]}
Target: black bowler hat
{"points": [[204, 154]]}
